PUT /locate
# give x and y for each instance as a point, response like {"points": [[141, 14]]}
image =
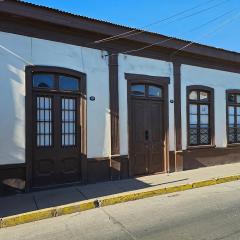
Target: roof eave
{"points": [[79, 23]]}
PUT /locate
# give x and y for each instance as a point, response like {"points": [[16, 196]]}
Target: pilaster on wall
{"points": [[177, 114], [114, 103], [118, 164]]}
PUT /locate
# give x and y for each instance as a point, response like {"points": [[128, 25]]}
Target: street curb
{"points": [[105, 201], [47, 213]]}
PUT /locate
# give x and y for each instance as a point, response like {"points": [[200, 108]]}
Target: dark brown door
{"points": [[140, 136], [56, 138], [155, 142], [147, 126]]}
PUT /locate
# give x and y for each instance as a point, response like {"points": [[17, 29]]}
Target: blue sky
{"points": [[220, 23]]}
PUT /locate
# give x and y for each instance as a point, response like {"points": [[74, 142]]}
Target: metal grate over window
{"points": [[44, 121], [68, 132], [233, 118]]}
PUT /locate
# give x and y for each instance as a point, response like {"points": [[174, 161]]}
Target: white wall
{"points": [[220, 81], [146, 66], [18, 51]]}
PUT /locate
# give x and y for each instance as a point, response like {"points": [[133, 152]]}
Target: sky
{"points": [[211, 22]]}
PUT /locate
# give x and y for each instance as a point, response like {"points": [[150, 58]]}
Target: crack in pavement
{"points": [[115, 221]]}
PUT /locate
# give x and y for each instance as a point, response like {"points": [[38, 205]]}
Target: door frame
{"points": [[158, 81], [29, 138]]}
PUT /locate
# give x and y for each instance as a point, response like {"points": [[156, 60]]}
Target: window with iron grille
{"points": [[233, 117], [200, 122]]}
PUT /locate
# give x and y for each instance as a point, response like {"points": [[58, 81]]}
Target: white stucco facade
{"points": [[18, 51], [145, 66], [220, 81]]}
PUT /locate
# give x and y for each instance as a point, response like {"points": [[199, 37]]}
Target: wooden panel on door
{"points": [[43, 140], [139, 125], [156, 138], [70, 145], [57, 144]]}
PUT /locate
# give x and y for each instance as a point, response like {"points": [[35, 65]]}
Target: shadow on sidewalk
{"points": [[20, 203]]}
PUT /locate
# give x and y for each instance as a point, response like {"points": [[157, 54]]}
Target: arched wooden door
{"points": [[147, 127], [56, 127]]}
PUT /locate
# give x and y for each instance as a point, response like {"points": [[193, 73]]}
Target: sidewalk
{"points": [[22, 203]]}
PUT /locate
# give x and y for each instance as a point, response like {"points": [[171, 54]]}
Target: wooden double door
{"points": [[56, 146], [147, 133], [55, 126]]}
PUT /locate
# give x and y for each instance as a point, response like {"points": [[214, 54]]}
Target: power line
{"points": [[201, 11], [149, 25], [181, 18], [171, 38], [137, 32], [210, 33]]}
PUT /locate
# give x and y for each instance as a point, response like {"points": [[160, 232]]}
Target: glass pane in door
{"points": [[44, 121], [68, 133]]}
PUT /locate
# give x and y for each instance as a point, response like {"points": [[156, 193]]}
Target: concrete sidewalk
{"points": [[22, 203]]}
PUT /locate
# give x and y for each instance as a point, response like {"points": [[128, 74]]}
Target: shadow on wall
{"points": [[12, 121]]}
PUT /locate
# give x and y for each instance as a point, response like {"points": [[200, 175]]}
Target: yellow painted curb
{"points": [[76, 207], [47, 213], [140, 195], [178, 188], [120, 198], [204, 183], [105, 201], [228, 179], [28, 217]]}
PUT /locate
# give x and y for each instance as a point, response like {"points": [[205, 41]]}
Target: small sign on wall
{"points": [[92, 98]]}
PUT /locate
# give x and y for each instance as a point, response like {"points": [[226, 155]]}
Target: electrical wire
{"points": [[227, 22], [200, 11], [121, 35], [171, 38], [184, 17], [137, 32]]}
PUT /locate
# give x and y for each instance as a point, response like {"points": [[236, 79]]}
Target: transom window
{"points": [[68, 83], [145, 90], [55, 82], [199, 115], [42, 80], [233, 117]]}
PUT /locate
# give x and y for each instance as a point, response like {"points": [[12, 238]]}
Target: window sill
{"points": [[201, 147], [230, 145]]}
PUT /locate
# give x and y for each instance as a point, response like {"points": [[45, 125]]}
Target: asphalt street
{"points": [[209, 213]]}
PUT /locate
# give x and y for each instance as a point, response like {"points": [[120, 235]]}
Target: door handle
{"points": [[146, 135]]}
